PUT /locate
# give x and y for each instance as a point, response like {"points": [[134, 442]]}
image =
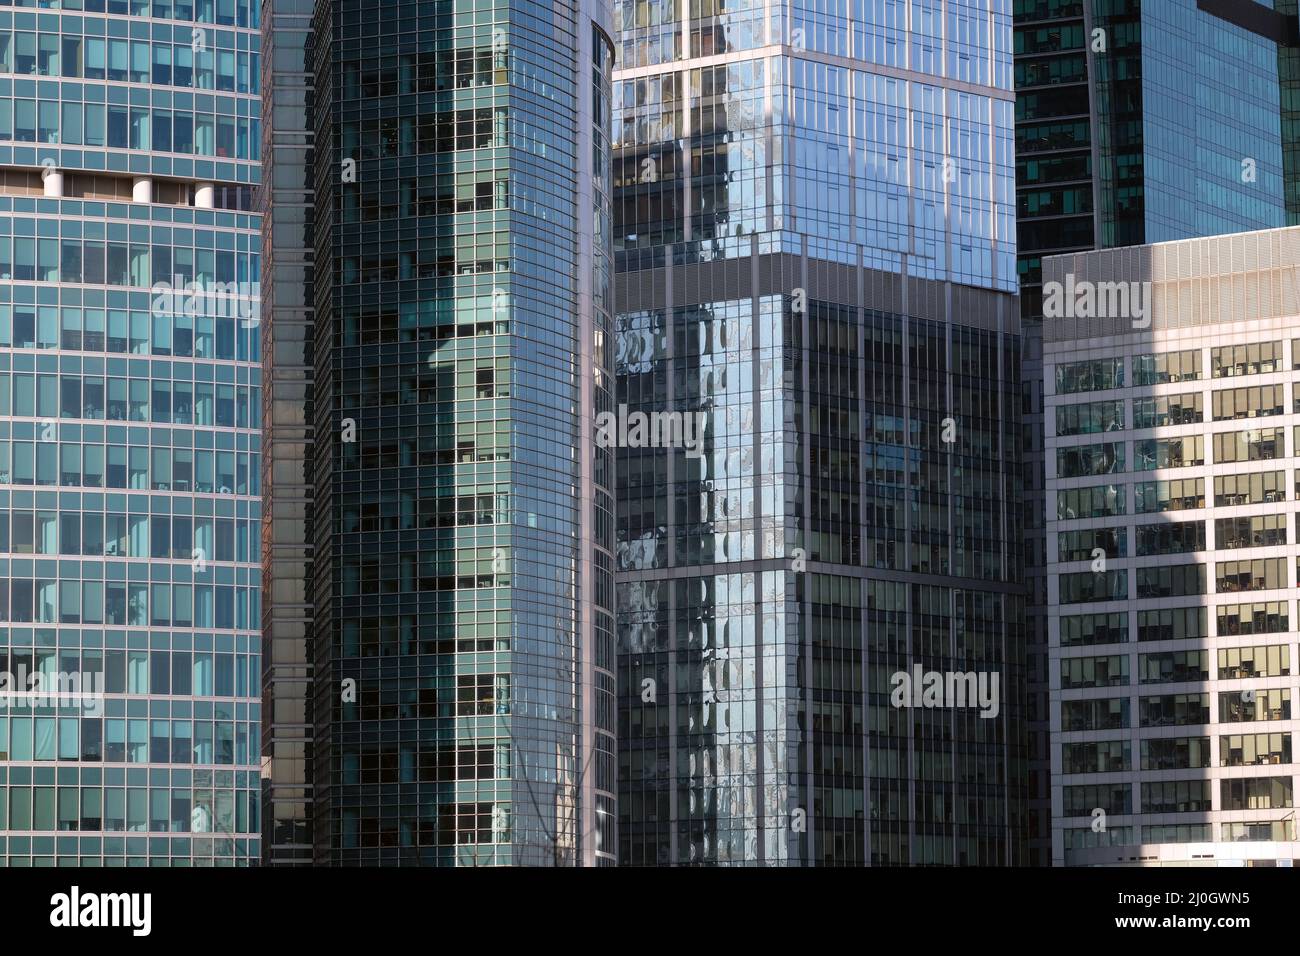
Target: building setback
{"points": [[813, 238], [438, 547], [130, 406], [1171, 465]]}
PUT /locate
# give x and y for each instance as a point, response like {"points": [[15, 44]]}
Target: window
{"points": [[1257, 531], [1174, 667], [1157, 453], [1258, 831], [1255, 793], [1166, 580], [1270, 617], [1097, 501], [1082, 629], [1260, 444], [1260, 574], [1174, 710], [1163, 367], [1089, 586], [1168, 410], [1254, 358], [1267, 661], [1170, 537], [1176, 796], [1110, 713], [1080, 545], [1085, 460], [1114, 798], [1261, 487], [1247, 706], [1175, 753], [1095, 756], [1108, 671], [1255, 402], [1176, 833], [1089, 376], [1090, 418], [1176, 494], [1253, 750]]}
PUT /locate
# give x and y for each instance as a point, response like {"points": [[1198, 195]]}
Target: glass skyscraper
{"points": [[1136, 123], [130, 407], [439, 544], [814, 246]]}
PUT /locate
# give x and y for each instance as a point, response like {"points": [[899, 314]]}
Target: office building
{"points": [[813, 241], [439, 535], [1136, 123], [130, 407], [1171, 463]]}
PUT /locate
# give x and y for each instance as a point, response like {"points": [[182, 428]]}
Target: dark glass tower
{"points": [[1136, 122], [438, 546], [815, 252]]}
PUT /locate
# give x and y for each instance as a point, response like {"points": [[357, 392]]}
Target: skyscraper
{"points": [[1136, 123], [129, 452], [438, 549], [1171, 454], [1140, 123], [813, 239]]}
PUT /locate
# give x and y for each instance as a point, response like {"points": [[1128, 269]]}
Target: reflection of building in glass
{"points": [[815, 248], [1170, 465], [129, 452], [439, 636], [1136, 122]]}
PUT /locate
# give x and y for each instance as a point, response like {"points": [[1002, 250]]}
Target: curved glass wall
{"points": [[460, 660]]}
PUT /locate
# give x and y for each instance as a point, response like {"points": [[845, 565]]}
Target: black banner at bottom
{"points": [[714, 907]]}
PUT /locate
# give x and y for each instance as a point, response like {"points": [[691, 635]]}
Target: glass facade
{"points": [[815, 254], [130, 411], [1119, 141], [445, 657]]}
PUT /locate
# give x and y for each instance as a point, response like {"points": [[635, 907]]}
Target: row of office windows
{"points": [[1232, 404], [1178, 623], [1250, 832], [1172, 710], [1161, 581], [129, 332], [218, 66], [1187, 494], [117, 262], [134, 604], [128, 810], [1190, 796], [72, 122], [1160, 368], [1173, 537], [120, 535], [1174, 796], [143, 740], [100, 398], [229, 13], [1175, 753], [129, 466], [1175, 667]]}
